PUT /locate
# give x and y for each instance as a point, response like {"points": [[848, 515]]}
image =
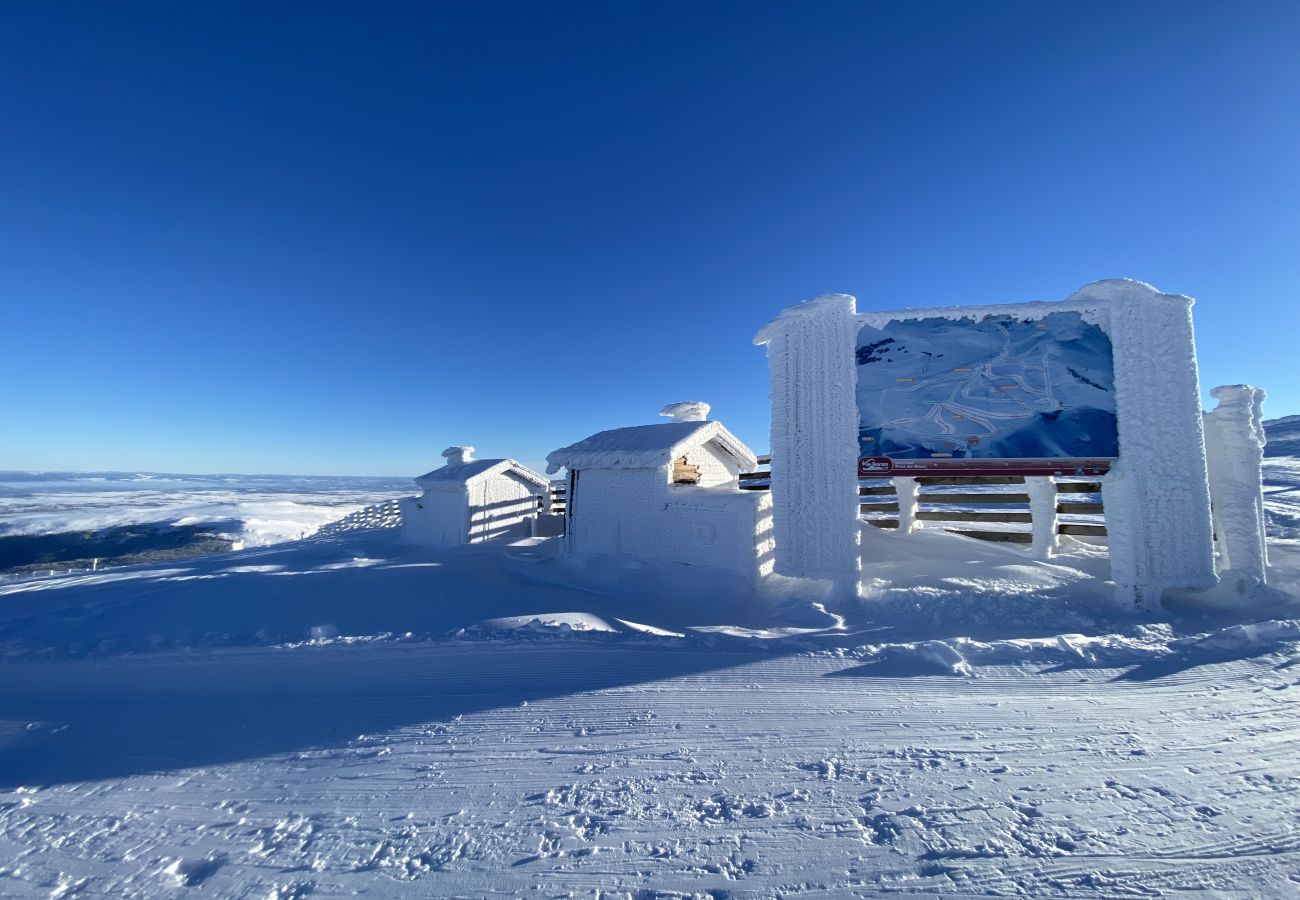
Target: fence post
{"points": [[1042, 512], [1234, 450], [908, 492]]}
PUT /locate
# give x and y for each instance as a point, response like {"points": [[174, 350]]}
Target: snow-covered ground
{"points": [[345, 715]]}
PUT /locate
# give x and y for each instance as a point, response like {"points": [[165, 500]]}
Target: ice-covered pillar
{"points": [[1042, 515], [1234, 450], [810, 349], [908, 493], [1157, 495]]}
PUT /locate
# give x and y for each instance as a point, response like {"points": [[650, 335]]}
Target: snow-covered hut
{"points": [[670, 492], [470, 500]]}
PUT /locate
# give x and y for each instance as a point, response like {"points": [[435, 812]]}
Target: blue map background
{"points": [[996, 387]]}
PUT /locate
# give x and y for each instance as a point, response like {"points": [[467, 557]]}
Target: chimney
{"points": [[456, 456], [687, 411]]}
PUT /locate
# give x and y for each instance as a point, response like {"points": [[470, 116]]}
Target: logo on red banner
{"points": [[874, 465]]}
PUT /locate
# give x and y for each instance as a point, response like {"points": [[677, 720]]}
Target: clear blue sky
{"points": [[336, 237]]}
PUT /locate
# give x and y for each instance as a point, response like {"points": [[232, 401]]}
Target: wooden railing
{"points": [[985, 500], [962, 503]]}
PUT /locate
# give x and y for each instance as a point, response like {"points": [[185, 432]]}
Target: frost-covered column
{"points": [[908, 492], [1042, 513], [1234, 449], [810, 350], [1157, 496]]}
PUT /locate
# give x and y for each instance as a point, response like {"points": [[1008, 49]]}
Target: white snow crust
{"points": [[1234, 445], [454, 476], [815, 440], [350, 715], [647, 447]]}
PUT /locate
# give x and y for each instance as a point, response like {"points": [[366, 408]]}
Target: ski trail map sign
{"points": [[992, 394]]}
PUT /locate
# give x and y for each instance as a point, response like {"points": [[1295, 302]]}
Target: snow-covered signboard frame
{"points": [[1156, 489]]}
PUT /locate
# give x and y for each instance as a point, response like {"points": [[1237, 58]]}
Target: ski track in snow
{"points": [[754, 776], [559, 748]]}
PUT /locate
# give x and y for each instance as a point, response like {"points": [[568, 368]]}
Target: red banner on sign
{"points": [[883, 466]]}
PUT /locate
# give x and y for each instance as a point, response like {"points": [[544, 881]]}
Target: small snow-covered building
{"points": [[471, 500], [670, 492]]}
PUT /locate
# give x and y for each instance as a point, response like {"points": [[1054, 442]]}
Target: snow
{"points": [[687, 411], [1157, 495], [470, 500], [815, 441], [648, 447], [1234, 445], [455, 475], [351, 715], [1042, 508]]}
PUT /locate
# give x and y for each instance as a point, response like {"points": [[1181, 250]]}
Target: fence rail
{"points": [[957, 503], [963, 503]]}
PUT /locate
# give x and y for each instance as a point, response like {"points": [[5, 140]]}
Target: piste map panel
{"points": [[987, 393]]}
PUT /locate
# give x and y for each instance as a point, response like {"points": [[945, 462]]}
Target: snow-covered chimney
{"points": [[687, 411], [456, 456]]}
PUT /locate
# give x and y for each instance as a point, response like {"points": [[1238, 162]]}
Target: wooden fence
{"points": [[963, 503]]}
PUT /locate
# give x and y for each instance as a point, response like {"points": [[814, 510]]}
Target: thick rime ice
{"points": [[908, 491], [815, 440], [1042, 511], [687, 411], [473, 500], [1157, 496], [1234, 448], [648, 446]]}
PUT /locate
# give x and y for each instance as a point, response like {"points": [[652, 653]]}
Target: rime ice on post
{"points": [[1157, 496], [810, 351], [1234, 449], [908, 492], [1042, 514]]}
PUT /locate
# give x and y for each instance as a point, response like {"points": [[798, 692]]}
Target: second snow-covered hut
{"points": [[471, 500]]}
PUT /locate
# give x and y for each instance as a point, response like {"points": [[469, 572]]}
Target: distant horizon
{"points": [[130, 471]]}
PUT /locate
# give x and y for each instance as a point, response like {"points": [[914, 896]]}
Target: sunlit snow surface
{"points": [[344, 716]]}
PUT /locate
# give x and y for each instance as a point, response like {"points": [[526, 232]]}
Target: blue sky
{"points": [[334, 238]]}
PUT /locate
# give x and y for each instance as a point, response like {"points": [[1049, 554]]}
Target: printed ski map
{"points": [[997, 387]]}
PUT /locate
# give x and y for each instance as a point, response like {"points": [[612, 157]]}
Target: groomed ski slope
{"points": [[498, 722]]}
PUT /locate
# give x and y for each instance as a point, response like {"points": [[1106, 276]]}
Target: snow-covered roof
{"points": [[647, 447], [456, 475]]}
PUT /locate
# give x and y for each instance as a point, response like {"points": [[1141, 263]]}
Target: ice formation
{"points": [[815, 440], [1234, 446], [648, 446], [687, 411], [1157, 496]]}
